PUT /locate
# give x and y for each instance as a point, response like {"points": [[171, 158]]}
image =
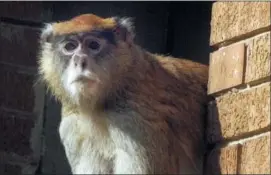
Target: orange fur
{"points": [[82, 23]]}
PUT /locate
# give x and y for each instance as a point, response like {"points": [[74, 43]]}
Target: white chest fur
{"points": [[86, 142]]}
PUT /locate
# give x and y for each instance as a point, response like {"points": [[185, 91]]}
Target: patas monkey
{"points": [[124, 110]]}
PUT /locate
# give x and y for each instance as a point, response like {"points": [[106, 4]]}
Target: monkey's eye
{"points": [[70, 46], [93, 45]]}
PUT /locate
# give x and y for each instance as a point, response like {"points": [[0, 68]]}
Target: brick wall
{"points": [[238, 125], [21, 99]]}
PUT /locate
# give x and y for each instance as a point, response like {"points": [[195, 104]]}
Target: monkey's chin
{"points": [[85, 89], [90, 84]]}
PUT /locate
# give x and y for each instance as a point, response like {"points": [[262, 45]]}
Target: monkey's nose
{"points": [[80, 62]]}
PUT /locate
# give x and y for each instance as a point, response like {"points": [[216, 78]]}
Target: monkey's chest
{"points": [[84, 142]]}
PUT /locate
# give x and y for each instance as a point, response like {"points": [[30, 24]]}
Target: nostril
{"points": [[80, 62], [83, 64]]}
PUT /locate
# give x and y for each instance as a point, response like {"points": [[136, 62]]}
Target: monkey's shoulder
{"points": [[172, 87], [175, 74], [167, 68], [183, 67]]}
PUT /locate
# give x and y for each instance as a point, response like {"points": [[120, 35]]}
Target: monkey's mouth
{"points": [[84, 80]]}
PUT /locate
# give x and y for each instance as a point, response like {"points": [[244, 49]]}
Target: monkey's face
{"points": [[85, 64], [87, 61]]}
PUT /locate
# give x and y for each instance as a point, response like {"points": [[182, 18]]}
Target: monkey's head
{"points": [[85, 57]]}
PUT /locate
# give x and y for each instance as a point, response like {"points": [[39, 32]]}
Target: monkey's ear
{"points": [[125, 29], [47, 33]]}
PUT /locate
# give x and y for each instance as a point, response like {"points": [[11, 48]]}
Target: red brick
{"points": [[15, 133], [258, 57], [226, 68], [222, 161], [232, 19], [237, 113], [9, 169], [19, 45], [255, 156], [16, 90]]}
